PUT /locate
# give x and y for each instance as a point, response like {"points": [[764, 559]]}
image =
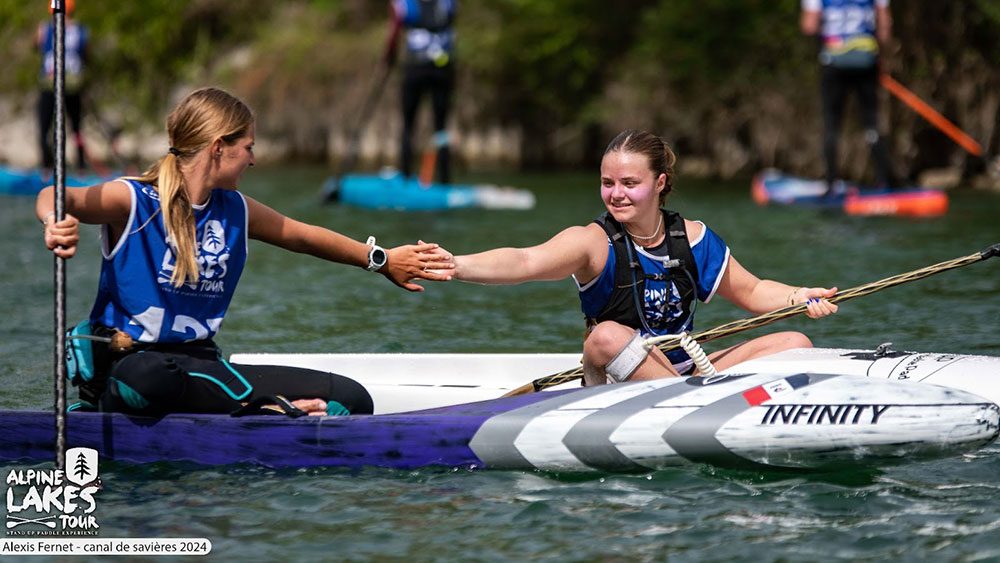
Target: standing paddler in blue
{"points": [[850, 33], [76, 41], [624, 304], [174, 244], [428, 67]]}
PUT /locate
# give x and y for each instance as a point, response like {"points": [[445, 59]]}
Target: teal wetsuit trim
{"points": [[333, 408], [239, 377], [83, 406], [131, 397]]}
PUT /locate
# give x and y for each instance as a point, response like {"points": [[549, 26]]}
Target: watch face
{"points": [[378, 257]]}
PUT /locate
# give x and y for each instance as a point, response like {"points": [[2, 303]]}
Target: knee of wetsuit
{"points": [[121, 397], [628, 360], [351, 396]]}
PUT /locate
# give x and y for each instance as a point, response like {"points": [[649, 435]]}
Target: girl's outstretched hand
{"points": [[423, 260]]}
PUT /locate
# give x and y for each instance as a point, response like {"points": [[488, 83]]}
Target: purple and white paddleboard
{"points": [[751, 420]]}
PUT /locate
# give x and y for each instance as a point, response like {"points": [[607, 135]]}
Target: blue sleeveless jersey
{"points": [[844, 20], [661, 302], [135, 294], [430, 37], [75, 45]]}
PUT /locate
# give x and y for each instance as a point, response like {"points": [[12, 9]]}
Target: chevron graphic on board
{"points": [[533, 435], [597, 429]]}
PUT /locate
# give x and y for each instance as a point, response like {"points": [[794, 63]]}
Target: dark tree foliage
{"points": [[732, 82]]}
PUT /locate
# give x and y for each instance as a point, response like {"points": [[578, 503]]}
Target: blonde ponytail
{"points": [[178, 216]]}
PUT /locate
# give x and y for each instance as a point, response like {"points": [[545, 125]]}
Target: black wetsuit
{"points": [[836, 85], [194, 378]]}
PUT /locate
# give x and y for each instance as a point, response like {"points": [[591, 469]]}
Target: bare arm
{"points": [[757, 296], [104, 204], [404, 264], [101, 204], [809, 22], [576, 250], [883, 25]]}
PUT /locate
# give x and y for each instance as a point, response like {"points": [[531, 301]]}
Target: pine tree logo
{"points": [[213, 239], [81, 466]]}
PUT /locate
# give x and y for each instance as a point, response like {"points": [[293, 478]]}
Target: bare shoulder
{"points": [[104, 203], [582, 244], [579, 234], [594, 232], [596, 241], [111, 195], [694, 230], [590, 237], [118, 187]]}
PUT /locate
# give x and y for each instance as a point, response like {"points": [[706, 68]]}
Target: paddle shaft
{"points": [[374, 95], [768, 318], [59, 19], [931, 115], [110, 133]]}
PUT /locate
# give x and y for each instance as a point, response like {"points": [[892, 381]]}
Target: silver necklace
{"points": [[656, 231]]}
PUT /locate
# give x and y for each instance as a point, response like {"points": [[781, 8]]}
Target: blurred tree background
{"points": [[732, 84]]}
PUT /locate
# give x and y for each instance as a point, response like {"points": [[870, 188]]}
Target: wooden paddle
{"points": [[768, 318]]}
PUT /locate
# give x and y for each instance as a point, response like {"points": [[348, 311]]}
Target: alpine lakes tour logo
{"points": [[213, 256], [50, 502]]}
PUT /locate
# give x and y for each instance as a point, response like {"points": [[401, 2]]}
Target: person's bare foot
{"points": [[312, 407]]}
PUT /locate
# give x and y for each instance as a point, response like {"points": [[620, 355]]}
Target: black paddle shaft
{"points": [[59, 19]]}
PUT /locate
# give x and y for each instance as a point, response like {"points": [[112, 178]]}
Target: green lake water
{"points": [[940, 510]]}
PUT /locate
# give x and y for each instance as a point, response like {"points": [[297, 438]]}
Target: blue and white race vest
{"points": [[661, 301], [135, 294], [847, 31], [76, 44], [430, 37]]}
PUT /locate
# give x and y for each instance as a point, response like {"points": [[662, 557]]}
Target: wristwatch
{"points": [[377, 256]]}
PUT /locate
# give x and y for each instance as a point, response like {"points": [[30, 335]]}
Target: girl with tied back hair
{"points": [[174, 244], [674, 261]]}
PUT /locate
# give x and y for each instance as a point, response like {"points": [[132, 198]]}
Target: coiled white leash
{"points": [[691, 346], [694, 350]]}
